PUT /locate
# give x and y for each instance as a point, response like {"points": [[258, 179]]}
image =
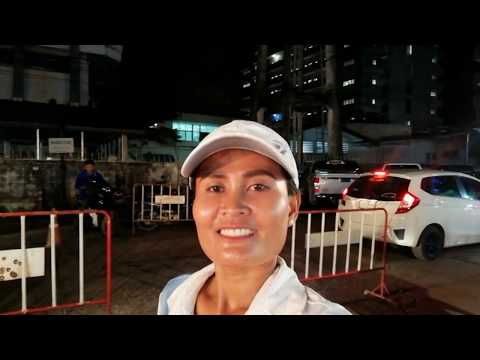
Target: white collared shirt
{"points": [[281, 294]]}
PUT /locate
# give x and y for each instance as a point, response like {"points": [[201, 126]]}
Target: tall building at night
{"points": [[76, 75], [390, 84]]}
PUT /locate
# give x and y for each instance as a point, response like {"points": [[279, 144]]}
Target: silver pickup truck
{"points": [[326, 180]]}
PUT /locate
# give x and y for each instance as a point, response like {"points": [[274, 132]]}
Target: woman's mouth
{"points": [[236, 233]]}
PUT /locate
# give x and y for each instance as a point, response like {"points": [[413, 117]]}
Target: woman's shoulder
{"points": [[318, 305], [167, 291]]}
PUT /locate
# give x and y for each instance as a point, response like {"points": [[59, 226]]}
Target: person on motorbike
{"points": [[88, 186]]}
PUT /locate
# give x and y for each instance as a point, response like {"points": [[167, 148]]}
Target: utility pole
{"points": [[333, 118], [257, 110]]}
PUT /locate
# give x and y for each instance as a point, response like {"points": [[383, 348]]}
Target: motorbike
{"points": [[105, 197]]}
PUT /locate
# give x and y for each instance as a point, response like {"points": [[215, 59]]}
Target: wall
{"points": [[6, 82], [42, 86], [34, 185], [377, 131]]}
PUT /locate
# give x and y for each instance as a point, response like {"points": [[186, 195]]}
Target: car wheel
{"points": [[430, 244]]}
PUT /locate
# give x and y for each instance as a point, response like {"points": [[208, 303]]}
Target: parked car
{"points": [[466, 169], [326, 180], [428, 210], [401, 166]]}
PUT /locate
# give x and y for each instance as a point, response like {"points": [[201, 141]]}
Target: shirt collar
{"points": [[282, 293]]}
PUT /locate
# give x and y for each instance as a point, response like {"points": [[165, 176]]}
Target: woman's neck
{"points": [[232, 289]]}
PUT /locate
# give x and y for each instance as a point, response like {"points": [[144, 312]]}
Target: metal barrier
{"points": [[346, 232], [107, 300], [153, 204]]}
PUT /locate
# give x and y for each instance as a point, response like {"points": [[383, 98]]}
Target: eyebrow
{"points": [[253, 173], [249, 174]]}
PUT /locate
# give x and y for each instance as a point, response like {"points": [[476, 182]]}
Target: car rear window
{"points": [[389, 188], [401, 167], [441, 186]]}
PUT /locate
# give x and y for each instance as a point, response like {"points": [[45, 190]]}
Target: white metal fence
{"points": [[349, 242], [153, 204]]}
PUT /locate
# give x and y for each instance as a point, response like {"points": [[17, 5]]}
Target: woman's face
{"points": [[242, 209]]}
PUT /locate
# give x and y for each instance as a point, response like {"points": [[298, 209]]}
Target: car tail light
{"points": [[379, 173], [316, 180], [409, 201]]}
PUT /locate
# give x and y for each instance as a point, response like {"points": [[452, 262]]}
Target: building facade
{"points": [[76, 75], [392, 84]]}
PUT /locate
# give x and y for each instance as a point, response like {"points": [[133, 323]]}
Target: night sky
{"points": [[181, 78], [159, 81]]}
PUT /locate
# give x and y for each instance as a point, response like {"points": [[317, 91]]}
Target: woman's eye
{"points": [[214, 188], [259, 187]]}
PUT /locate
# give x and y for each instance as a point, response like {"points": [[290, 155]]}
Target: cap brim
{"points": [[235, 141]]}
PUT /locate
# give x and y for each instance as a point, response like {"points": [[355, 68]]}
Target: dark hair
{"points": [[291, 186], [89, 162]]}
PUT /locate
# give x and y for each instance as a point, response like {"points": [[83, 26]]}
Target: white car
{"points": [[427, 210], [401, 166]]}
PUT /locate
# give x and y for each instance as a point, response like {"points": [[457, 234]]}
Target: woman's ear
{"points": [[295, 201]]}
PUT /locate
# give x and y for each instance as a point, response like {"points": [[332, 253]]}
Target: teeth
{"points": [[236, 232]]}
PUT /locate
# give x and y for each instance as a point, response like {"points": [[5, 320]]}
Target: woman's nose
{"points": [[234, 204]]}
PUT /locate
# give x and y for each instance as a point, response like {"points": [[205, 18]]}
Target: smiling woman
{"points": [[246, 197]]}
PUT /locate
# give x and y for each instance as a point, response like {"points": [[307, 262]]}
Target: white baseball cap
{"points": [[244, 135]]}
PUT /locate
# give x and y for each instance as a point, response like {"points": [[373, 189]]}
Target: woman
{"points": [[246, 197]]}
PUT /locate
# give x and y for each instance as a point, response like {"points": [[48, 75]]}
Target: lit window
{"points": [[276, 57], [346, 46], [348, 101], [349, 62], [434, 77], [433, 93], [315, 79], [374, 62], [432, 112], [434, 60], [374, 81], [349, 82], [308, 147], [373, 101], [246, 85], [409, 49]]}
